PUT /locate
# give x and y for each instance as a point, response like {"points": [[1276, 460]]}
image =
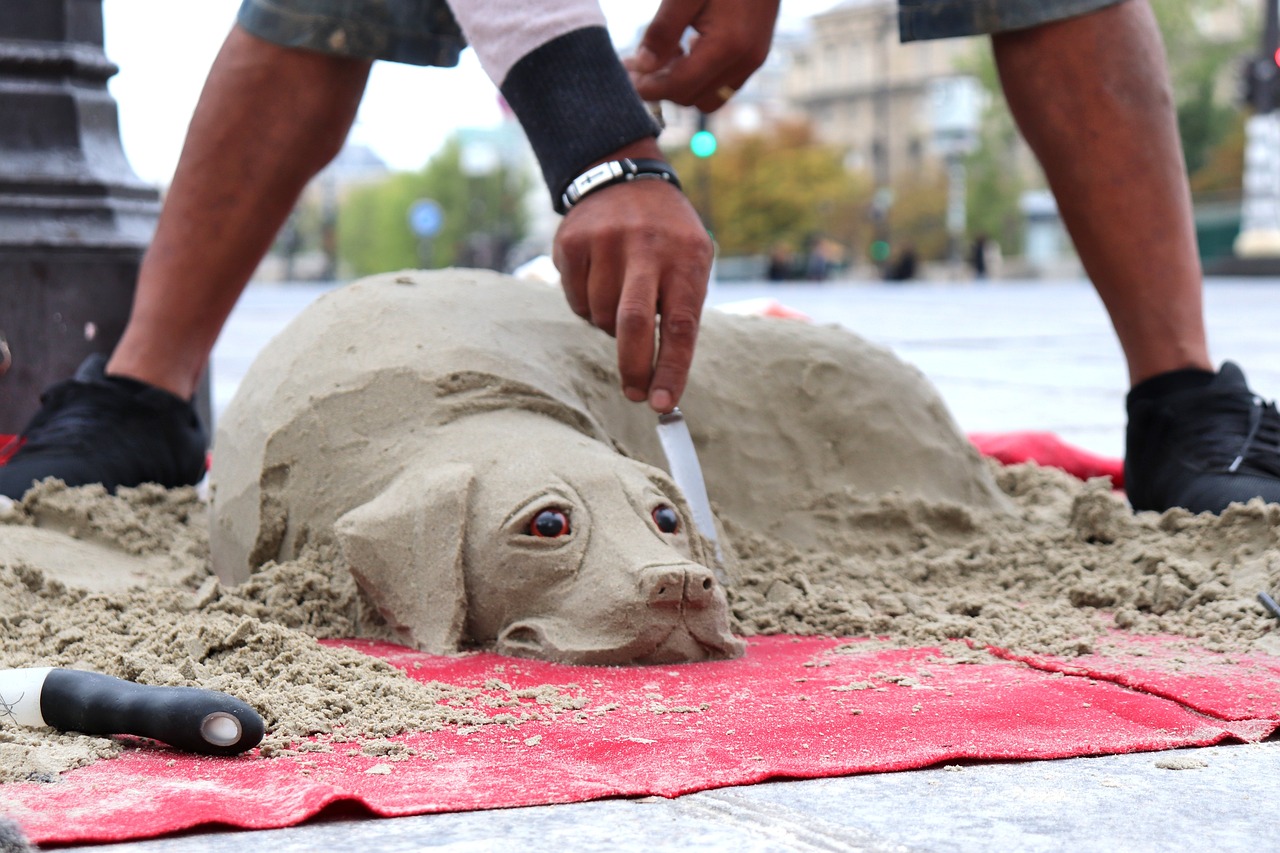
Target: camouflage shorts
{"points": [[417, 32], [935, 19], [424, 32]]}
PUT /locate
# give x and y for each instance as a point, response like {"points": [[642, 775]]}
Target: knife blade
{"points": [[682, 460]]}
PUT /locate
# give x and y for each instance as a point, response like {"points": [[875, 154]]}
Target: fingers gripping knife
{"points": [[187, 718], [682, 459]]}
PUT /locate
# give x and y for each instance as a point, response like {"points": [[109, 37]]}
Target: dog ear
{"points": [[405, 550]]}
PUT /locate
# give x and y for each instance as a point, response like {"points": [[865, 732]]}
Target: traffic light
{"points": [[703, 142], [1259, 81], [1262, 81]]}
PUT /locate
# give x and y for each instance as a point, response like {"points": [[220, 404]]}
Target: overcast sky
{"points": [[164, 49]]}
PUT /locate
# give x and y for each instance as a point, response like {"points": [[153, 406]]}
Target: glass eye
{"points": [[549, 524], [666, 519]]}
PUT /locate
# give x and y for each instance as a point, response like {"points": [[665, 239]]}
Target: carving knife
{"points": [[72, 700], [682, 460]]}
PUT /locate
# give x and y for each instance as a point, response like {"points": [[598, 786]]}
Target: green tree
{"points": [[1204, 123], [373, 228], [918, 217], [994, 188], [764, 191], [1204, 73], [373, 232], [1222, 171]]}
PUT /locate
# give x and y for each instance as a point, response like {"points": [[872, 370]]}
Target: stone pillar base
{"points": [[74, 218]]}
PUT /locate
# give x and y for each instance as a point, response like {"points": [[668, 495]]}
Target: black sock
{"points": [[125, 383], [1161, 384]]}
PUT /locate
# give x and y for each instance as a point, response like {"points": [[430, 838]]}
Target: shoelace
{"points": [[1264, 445], [1233, 431]]}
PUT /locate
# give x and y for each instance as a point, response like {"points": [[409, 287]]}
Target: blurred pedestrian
{"points": [[978, 256], [903, 267], [781, 264]]}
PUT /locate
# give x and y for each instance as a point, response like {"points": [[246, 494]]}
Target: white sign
{"points": [[955, 109]]}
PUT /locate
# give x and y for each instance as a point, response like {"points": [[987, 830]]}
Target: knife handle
{"points": [[189, 718]]}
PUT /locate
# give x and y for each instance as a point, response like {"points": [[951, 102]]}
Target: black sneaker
{"points": [[1203, 448], [113, 431]]}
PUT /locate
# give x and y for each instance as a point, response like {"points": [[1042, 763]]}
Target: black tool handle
{"points": [[97, 704]]}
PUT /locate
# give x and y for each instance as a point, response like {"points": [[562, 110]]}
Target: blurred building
{"points": [[485, 151], [761, 104], [1226, 20], [306, 247], [863, 90]]}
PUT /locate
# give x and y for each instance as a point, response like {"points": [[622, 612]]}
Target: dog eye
{"points": [[666, 519], [549, 524]]}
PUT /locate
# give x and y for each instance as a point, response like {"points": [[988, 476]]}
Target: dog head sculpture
{"points": [[560, 549], [447, 452]]}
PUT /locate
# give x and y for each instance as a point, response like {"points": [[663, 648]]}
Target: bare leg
{"points": [[1092, 97], [268, 120]]}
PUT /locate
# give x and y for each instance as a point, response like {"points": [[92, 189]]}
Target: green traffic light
{"points": [[880, 251], [703, 143]]}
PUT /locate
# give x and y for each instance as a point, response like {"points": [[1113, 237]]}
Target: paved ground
{"points": [[1111, 803], [1004, 356]]}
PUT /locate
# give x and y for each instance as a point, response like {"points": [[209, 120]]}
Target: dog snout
{"points": [[680, 586], [666, 586]]}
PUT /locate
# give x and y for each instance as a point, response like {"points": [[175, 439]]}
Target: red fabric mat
{"points": [[1229, 687], [1045, 448], [8, 447], [793, 707]]}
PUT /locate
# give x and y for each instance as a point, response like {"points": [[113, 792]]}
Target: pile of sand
{"points": [[63, 555], [121, 584]]}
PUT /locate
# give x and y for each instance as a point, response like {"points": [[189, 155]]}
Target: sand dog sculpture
{"points": [[460, 438]]}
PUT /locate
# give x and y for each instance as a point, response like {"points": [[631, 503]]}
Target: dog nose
{"points": [[680, 586]]}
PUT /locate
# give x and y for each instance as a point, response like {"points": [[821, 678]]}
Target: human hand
{"points": [[628, 254], [733, 40]]}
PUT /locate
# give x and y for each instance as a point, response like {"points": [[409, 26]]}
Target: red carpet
{"points": [[1229, 687], [1049, 451], [8, 447], [792, 708]]}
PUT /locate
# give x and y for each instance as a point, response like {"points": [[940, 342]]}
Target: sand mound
{"points": [[1069, 563]]}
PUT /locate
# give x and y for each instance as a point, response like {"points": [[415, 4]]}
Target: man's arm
{"points": [[628, 253]]}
